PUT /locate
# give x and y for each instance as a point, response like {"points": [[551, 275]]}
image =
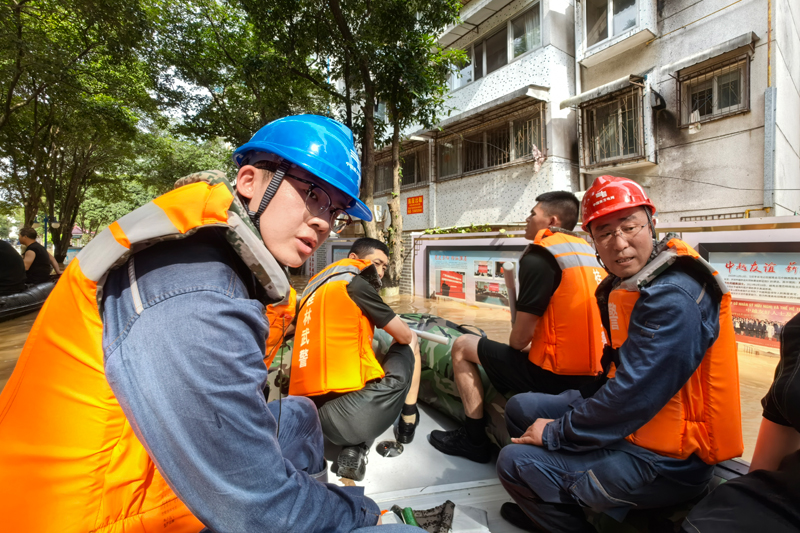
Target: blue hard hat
{"points": [[320, 145]]}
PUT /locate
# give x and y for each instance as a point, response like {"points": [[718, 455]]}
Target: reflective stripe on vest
{"points": [[280, 317], [704, 417], [568, 339], [333, 340], [70, 460]]}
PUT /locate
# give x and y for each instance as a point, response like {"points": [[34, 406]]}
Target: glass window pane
{"points": [[527, 135], [606, 126], [629, 122], [498, 146], [729, 88], [448, 158], [702, 100], [624, 15], [463, 72], [478, 61], [383, 177], [496, 51], [473, 152], [596, 21], [408, 167], [526, 30]]}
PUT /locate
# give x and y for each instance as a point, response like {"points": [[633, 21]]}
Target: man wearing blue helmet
{"points": [[150, 410]]}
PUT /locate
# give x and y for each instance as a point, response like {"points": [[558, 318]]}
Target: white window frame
{"points": [[686, 89], [454, 79], [609, 24]]}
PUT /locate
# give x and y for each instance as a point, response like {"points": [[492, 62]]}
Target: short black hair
{"points": [[562, 204], [28, 232], [363, 246]]}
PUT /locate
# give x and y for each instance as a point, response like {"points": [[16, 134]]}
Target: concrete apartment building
{"points": [[506, 140], [696, 100]]}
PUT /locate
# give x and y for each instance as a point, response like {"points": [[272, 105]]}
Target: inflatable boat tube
{"points": [[24, 302]]}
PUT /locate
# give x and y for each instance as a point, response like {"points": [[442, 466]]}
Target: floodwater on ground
{"points": [[755, 371]]}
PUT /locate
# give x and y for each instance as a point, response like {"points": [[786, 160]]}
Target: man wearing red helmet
{"points": [[648, 433]]}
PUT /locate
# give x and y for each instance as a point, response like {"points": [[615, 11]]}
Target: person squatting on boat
{"points": [[768, 497], [648, 433], [556, 341], [333, 362], [137, 401]]}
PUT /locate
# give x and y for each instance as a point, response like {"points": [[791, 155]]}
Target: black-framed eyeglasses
{"points": [[318, 201], [627, 232]]}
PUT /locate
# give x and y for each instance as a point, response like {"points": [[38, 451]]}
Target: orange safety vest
{"points": [[280, 316], [569, 338], [704, 417], [69, 460], [333, 339]]}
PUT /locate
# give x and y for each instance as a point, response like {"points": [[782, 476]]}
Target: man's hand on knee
{"points": [[533, 435]]}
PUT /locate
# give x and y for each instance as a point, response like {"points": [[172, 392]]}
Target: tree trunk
{"points": [[395, 240], [368, 168]]}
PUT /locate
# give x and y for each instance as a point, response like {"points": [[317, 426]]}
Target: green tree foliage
{"points": [[47, 44], [411, 78], [224, 79]]}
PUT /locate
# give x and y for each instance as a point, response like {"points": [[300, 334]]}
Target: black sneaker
{"points": [[514, 514], [352, 462], [456, 442], [404, 432]]}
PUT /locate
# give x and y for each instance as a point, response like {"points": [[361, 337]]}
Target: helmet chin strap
{"points": [[274, 183]]}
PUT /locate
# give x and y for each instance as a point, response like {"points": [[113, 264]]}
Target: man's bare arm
{"points": [[28, 258], [522, 330], [399, 331]]}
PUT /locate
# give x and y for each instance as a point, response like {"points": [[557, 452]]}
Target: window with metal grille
{"points": [[498, 146], [383, 177], [505, 141], [414, 170], [718, 91], [528, 135], [473, 150], [448, 152], [613, 129], [415, 167]]}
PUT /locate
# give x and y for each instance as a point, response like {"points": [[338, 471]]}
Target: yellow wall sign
{"points": [[414, 205]]}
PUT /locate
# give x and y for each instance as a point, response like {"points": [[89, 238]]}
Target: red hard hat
{"points": [[609, 194]]}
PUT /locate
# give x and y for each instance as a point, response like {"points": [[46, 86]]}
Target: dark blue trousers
{"points": [[552, 486]]}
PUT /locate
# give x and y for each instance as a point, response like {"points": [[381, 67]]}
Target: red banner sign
{"points": [[414, 205]]}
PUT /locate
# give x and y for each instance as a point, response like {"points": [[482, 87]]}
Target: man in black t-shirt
{"points": [[354, 419], [37, 259], [12, 270], [508, 366]]}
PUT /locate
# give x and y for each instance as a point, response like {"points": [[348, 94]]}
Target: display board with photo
{"points": [[472, 274]]}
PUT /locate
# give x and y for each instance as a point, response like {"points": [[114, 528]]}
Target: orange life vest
{"points": [[704, 417], [333, 339], [568, 338], [280, 316], [69, 460]]}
